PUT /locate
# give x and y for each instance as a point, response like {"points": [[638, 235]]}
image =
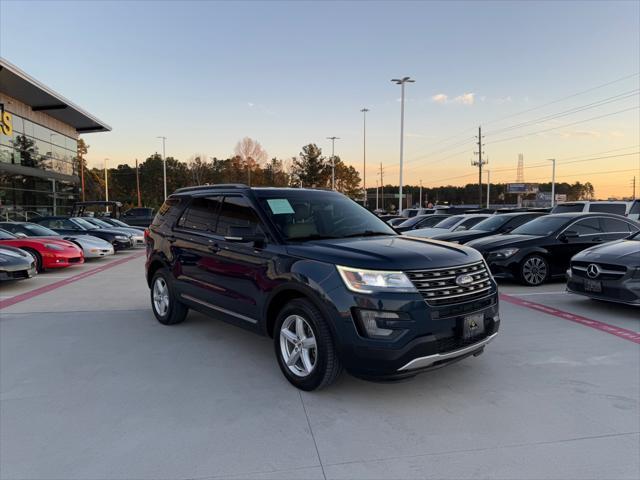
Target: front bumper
{"points": [[121, 244], [625, 289], [10, 273], [432, 336], [61, 261]]}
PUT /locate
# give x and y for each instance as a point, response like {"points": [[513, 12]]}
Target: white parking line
{"points": [[536, 293]]}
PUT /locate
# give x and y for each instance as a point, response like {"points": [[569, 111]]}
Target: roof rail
{"points": [[208, 187]]}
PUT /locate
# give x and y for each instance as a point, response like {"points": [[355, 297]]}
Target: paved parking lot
{"points": [[92, 387]]}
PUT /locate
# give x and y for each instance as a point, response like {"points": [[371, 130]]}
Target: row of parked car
{"points": [[599, 253], [28, 248]]}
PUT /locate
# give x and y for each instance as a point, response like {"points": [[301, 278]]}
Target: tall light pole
{"points": [[364, 154], [377, 195], [164, 166], [553, 183], [421, 193], [333, 162], [401, 82], [106, 184], [488, 186]]}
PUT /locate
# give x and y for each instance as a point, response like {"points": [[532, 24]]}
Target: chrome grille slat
{"points": [[438, 286]]}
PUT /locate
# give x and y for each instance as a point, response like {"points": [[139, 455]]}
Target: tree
{"points": [[251, 153], [82, 149], [201, 172], [347, 179], [311, 169]]}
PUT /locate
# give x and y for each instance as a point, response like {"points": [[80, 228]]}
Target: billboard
{"points": [[522, 188]]}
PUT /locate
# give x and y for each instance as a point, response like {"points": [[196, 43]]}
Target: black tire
{"points": [[175, 311], [533, 270], [327, 366], [38, 257]]}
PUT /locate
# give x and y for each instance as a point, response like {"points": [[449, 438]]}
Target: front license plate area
{"points": [[594, 286], [473, 326]]}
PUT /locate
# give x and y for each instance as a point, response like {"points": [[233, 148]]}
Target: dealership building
{"points": [[39, 131]]}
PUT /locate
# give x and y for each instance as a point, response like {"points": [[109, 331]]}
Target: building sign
{"points": [[522, 188], [6, 121]]}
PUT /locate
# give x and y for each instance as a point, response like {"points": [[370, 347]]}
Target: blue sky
{"points": [[206, 74]]}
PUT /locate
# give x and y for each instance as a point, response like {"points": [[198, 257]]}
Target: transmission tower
{"points": [[479, 163], [520, 174]]}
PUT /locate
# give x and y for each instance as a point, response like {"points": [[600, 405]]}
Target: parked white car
{"points": [[609, 206], [92, 247], [454, 223]]}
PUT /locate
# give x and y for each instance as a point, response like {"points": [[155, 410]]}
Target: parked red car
{"points": [[48, 252]]}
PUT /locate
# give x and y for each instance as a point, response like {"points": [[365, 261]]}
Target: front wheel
{"points": [[166, 307], [534, 270], [304, 347]]}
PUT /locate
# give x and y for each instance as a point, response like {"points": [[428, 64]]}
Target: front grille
{"points": [[438, 286], [608, 271]]}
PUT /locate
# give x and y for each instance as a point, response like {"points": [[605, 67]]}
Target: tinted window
{"points": [[449, 222], [613, 225], [541, 226], [201, 214], [491, 224], [237, 212], [635, 208], [469, 223], [617, 208], [568, 208], [588, 226], [429, 221], [34, 230]]}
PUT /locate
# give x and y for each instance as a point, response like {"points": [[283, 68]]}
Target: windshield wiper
{"points": [[367, 233]]}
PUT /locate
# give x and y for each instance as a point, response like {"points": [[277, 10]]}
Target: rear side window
{"points": [[613, 225], [568, 208], [617, 208], [201, 214], [635, 208], [589, 226], [166, 211], [237, 212]]}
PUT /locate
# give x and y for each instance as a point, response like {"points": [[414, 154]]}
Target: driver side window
{"points": [[589, 226]]}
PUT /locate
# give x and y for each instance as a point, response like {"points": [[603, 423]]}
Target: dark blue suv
{"points": [[332, 284]]}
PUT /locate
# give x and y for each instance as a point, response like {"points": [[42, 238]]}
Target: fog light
{"points": [[371, 320]]}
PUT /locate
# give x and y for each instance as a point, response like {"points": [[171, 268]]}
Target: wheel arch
{"points": [[153, 265]]}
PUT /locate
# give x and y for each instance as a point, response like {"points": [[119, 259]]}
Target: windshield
{"points": [[541, 226], [38, 230], [98, 222], [450, 222], [4, 235], [83, 223], [120, 223], [491, 224], [308, 215], [568, 208], [413, 220]]}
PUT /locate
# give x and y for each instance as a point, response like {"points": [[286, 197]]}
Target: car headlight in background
{"points": [[370, 281], [52, 246], [121, 237], [504, 253]]}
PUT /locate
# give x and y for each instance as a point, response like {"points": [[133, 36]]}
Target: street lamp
{"points": [[333, 162], [106, 184], [553, 182], [364, 154], [164, 166], [401, 82]]}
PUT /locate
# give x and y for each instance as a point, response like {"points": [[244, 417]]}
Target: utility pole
{"points": [[138, 184], [381, 186], [106, 184], [376, 195], [488, 187], [634, 187], [479, 163], [333, 161], [164, 166], [364, 155], [553, 184], [401, 82]]}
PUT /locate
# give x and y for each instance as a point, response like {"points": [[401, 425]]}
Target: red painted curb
{"points": [[587, 322], [47, 288]]}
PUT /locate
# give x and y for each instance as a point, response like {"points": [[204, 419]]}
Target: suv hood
{"points": [[386, 253], [497, 241], [625, 252]]}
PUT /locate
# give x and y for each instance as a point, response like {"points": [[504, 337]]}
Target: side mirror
{"points": [[568, 235], [20, 235], [244, 235]]}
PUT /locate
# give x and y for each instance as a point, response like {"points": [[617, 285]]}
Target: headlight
{"points": [[504, 253], [370, 281], [121, 237], [52, 246]]}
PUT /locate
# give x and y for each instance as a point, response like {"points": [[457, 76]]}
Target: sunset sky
{"points": [[548, 79]]}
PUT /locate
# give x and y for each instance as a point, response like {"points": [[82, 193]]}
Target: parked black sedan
{"points": [[78, 226], [542, 248], [420, 221], [495, 225], [608, 272]]}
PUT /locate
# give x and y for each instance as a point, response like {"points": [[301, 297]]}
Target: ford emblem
{"points": [[463, 280]]}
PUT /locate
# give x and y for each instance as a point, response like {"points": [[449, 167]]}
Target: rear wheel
{"points": [[304, 346], [166, 307], [534, 270]]}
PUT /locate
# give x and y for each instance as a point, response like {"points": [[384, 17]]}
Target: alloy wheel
{"points": [[161, 296], [298, 346], [534, 270]]}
